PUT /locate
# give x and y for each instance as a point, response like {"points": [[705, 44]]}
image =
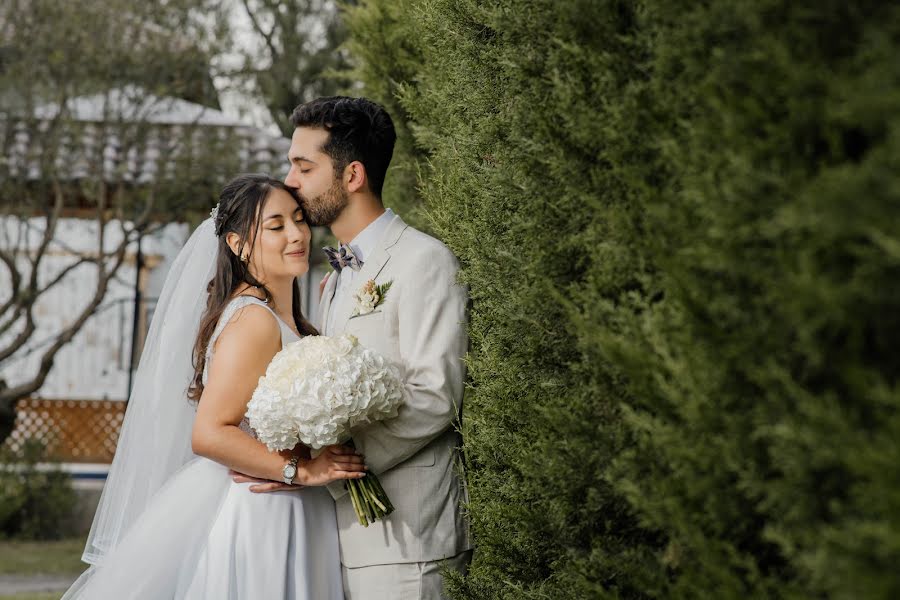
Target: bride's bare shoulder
{"points": [[251, 326]]}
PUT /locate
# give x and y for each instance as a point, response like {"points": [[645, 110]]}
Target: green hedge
{"points": [[680, 223], [383, 45], [36, 497]]}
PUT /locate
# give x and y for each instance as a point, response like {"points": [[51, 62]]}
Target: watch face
{"points": [[289, 471]]}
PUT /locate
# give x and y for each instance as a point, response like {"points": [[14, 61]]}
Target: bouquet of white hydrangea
{"points": [[316, 390]]}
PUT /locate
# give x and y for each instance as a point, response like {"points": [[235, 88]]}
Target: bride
{"points": [[172, 523]]}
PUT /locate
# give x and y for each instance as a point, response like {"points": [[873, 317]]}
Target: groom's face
{"points": [[312, 174]]}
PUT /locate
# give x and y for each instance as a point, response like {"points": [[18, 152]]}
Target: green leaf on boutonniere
{"points": [[382, 289]]}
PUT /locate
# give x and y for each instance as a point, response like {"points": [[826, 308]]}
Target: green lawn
{"points": [[61, 557]]}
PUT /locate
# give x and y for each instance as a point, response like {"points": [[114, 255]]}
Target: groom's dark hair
{"points": [[359, 130]]}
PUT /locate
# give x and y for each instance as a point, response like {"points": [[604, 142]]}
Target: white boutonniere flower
{"points": [[369, 297]]}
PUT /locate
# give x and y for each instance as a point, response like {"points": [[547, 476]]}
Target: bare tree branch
{"points": [[23, 336], [268, 36], [15, 282], [64, 337], [13, 318], [49, 232], [64, 272], [78, 114], [141, 228]]}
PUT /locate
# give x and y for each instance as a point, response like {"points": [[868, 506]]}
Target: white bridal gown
{"points": [[205, 537]]}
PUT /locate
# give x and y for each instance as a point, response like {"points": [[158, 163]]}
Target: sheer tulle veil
{"points": [[155, 441]]}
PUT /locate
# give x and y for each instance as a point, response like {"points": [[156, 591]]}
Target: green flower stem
{"points": [[366, 503], [374, 507], [384, 495], [363, 500], [372, 490], [359, 506], [376, 483], [373, 501], [373, 498], [355, 500], [369, 499]]}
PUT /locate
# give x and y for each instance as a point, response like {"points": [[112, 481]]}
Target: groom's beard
{"points": [[325, 208]]}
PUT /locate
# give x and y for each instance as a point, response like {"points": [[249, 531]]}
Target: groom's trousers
{"points": [[402, 581]]}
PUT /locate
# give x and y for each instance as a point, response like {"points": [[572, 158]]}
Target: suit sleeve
{"points": [[432, 344]]}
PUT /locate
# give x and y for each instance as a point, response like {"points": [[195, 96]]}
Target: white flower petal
{"points": [[318, 388]]}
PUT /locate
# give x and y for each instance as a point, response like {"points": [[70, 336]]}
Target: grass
{"points": [[62, 557]]}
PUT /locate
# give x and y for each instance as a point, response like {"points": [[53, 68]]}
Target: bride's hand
{"points": [[333, 463]]}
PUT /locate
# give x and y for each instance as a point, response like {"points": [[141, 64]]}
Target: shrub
{"points": [[36, 498], [679, 224]]}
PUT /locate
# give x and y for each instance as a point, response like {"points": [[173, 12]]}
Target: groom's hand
{"points": [[262, 485]]}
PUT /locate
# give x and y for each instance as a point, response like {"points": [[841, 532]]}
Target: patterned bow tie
{"points": [[343, 257]]}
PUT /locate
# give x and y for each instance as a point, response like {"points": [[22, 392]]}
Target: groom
{"points": [[340, 152]]}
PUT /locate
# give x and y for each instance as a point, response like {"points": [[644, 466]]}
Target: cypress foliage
{"points": [[678, 222], [764, 385], [385, 55], [514, 122], [520, 112]]}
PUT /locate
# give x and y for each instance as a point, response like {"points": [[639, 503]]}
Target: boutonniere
{"points": [[369, 297]]}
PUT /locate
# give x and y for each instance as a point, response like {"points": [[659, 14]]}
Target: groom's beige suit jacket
{"points": [[421, 325]]}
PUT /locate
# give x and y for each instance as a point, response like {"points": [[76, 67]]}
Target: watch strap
{"points": [[291, 463]]}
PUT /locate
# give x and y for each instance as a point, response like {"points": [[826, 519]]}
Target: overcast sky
{"points": [[242, 104]]}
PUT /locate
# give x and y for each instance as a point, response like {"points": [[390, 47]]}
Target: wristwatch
{"points": [[290, 470]]}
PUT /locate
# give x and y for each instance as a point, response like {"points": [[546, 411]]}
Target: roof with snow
{"points": [[134, 136]]}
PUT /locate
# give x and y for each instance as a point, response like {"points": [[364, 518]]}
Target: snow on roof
{"points": [[132, 103], [179, 128]]}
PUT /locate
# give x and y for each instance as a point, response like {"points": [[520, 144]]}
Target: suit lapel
{"points": [[327, 297], [370, 270]]}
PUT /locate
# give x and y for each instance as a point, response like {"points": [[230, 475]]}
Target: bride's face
{"points": [[281, 247]]}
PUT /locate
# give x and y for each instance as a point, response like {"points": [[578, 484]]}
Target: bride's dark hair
{"points": [[240, 202]]}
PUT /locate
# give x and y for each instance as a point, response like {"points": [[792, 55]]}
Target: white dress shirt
{"points": [[362, 245]]}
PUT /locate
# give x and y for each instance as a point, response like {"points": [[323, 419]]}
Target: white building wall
{"points": [[94, 365]]}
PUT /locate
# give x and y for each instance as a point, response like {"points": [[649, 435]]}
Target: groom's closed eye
{"points": [[303, 164]]}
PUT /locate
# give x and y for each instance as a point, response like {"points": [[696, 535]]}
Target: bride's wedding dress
{"points": [[202, 536]]}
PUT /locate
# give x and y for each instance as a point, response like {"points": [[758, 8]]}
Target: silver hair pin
{"points": [[214, 213]]}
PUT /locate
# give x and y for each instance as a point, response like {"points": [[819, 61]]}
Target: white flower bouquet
{"points": [[316, 390]]}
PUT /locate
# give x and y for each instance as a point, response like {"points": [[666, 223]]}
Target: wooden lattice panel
{"points": [[72, 430]]}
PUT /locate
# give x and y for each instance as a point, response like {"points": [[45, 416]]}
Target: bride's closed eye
{"points": [[298, 222]]}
